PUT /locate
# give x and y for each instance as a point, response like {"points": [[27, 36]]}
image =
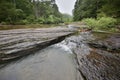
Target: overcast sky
{"points": [[66, 6]]}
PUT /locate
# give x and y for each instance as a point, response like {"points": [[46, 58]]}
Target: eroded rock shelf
{"points": [[97, 55], [19, 42]]}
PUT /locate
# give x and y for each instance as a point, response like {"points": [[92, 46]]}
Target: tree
{"points": [[91, 8], [87, 9], [15, 11], [46, 10], [111, 8]]}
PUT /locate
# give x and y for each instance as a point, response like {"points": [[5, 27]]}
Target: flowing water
{"points": [[52, 63]]}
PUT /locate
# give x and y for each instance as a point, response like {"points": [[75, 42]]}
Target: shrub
{"points": [[21, 22], [40, 20], [91, 22], [57, 20], [118, 21], [106, 22], [30, 18], [3, 23], [50, 19], [103, 23]]}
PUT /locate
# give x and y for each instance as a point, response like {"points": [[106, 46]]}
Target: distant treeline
{"points": [[30, 11], [96, 8]]}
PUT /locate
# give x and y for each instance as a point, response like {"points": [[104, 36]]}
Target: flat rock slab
{"points": [[106, 41], [19, 42]]}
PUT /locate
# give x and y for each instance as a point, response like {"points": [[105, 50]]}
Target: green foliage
{"points": [[13, 11], [22, 22], [103, 23], [102, 14], [25, 5], [40, 20], [118, 21], [86, 9], [3, 23], [6, 10], [111, 8], [91, 22], [66, 18], [93, 8], [47, 12], [29, 11], [30, 18], [51, 19], [106, 22], [98, 14]]}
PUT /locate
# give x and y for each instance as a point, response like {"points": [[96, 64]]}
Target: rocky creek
{"points": [[51, 63], [82, 56]]}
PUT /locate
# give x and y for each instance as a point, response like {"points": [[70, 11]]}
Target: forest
{"points": [[30, 11], [98, 14]]}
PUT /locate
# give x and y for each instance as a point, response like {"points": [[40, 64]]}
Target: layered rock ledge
{"points": [[97, 55], [19, 42]]}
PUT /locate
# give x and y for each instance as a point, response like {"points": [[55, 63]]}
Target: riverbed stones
{"points": [[20, 42]]}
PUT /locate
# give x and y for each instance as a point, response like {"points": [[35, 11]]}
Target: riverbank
{"points": [[27, 26]]}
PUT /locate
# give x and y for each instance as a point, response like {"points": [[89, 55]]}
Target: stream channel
{"points": [[78, 57], [55, 62]]}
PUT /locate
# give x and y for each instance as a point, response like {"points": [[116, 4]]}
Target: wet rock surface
{"points": [[19, 42], [95, 60]]}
